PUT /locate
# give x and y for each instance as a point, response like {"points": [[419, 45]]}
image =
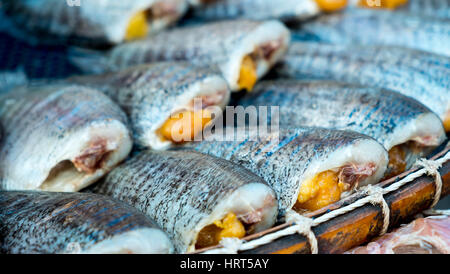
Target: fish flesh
{"points": [[406, 128], [92, 23], [431, 8], [429, 235], [158, 97], [35, 222], [378, 27], [198, 199], [59, 137], [243, 50], [285, 10], [308, 168], [417, 74], [11, 79]]}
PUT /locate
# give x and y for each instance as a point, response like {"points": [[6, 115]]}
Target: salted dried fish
{"points": [[285, 10], [378, 4], [406, 128], [59, 137], [423, 236], [163, 97], [196, 198], [379, 27], [48, 222], [96, 23], [243, 50], [420, 75], [307, 167]]}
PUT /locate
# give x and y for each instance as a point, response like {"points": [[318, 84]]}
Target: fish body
{"points": [[224, 43], [429, 235], [288, 157], [185, 191], [420, 75], [92, 23], [47, 223], [59, 137], [285, 10], [389, 117], [378, 27], [150, 94]]}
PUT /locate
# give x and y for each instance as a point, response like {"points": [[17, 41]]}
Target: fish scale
{"points": [[378, 27], [182, 190], [150, 94], [312, 146], [45, 120], [433, 8], [384, 67], [44, 222], [94, 23], [183, 43], [389, 117]]}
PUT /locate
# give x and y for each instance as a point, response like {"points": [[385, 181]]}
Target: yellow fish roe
{"points": [[247, 76], [138, 27]]}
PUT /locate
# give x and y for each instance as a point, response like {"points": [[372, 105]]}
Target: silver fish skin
{"points": [[285, 10], [389, 117], [285, 158], [91, 23], [150, 94], [417, 74], [184, 191], [34, 222], [432, 8], [223, 43], [59, 137], [378, 27]]}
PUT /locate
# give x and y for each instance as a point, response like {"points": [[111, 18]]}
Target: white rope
{"points": [[302, 225], [376, 195]]}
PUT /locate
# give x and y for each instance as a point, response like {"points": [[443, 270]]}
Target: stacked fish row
{"points": [[359, 106]]}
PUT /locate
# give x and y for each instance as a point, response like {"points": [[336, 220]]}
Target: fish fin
{"points": [[88, 60]]}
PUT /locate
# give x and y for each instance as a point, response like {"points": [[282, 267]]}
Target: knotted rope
{"points": [[432, 169]]}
